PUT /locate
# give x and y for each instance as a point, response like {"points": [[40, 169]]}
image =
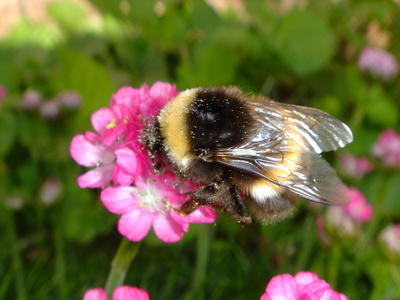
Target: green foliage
{"points": [[306, 54], [305, 42]]}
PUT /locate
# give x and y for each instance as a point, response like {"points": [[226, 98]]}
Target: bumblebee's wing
{"points": [[303, 173], [310, 128], [284, 149]]}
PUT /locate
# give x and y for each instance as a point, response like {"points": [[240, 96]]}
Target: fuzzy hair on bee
{"points": [[247, 149]]}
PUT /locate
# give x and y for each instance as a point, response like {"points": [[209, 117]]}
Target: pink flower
{"points": [[358, 208], [31, 99], [152, 203], [387, 148], [144, 200], [69, 99], [346, 219], [120, 293], [2, 92], [91, 154], [379, 62], [49, 109], [355, 167], [302, 286], [114, 150], [390, 236], [50, 190]]}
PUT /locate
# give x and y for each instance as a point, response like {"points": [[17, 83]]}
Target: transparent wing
{"points": [[305, 174], [284, 149], [318, 130]]}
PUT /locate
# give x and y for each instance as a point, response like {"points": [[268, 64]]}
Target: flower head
{"points": [[355, 167], [346, 219], [49, 109], [379, 62], [387, 148], [2, 92], [50, 190], [31, 99], [358, 208], [152, 203], [69, 99], [120, 293], [114, 151], [390, 237], [302, 286]]}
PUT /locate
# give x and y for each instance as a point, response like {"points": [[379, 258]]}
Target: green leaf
{"points": [[305, 42], [8, 131], [364, 138], [70, 15], [81, 216], [392, 203], [380, 108], [35, 135], [213, 65], [87, 77], [168, 30], [28, 33], [353, 85]]}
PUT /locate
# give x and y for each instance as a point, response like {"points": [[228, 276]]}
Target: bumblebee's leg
{"points": [[235, 206], [218, 194], [206, 195]]}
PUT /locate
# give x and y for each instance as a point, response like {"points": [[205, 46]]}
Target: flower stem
{"points": [[126, 252], [334, 264], [16, 260], [60, 263], [203, 249], [378, 204]]}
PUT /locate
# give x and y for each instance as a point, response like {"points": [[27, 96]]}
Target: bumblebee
{"points": [[239, 148]]}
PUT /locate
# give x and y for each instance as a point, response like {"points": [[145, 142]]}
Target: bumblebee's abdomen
{"points": [[217, 118]]}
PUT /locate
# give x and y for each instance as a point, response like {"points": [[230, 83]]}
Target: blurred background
{"points": [[62, 60]]}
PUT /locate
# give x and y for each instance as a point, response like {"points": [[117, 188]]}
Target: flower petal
{"points": [[119, 199], [89, 154], [127, 159], [282, 287], [203, 214], [135, 225], [305, 278], [130, 293], [101, 119], [95, 294], [96, 178], [168, 229], [163, 89], [128, 97], [121, 177], [329, 294]]}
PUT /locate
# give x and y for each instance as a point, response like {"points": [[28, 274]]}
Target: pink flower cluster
{"points": [[390, 237], [120, 293], [50, 108], [302, 286], [346, 219], [358, 209], [387, 148], [355, 167], [2, 92], [379, 62], [116, 156]]}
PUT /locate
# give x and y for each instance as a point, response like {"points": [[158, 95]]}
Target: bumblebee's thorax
{"points": [[200, 121], [217, 120]]}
